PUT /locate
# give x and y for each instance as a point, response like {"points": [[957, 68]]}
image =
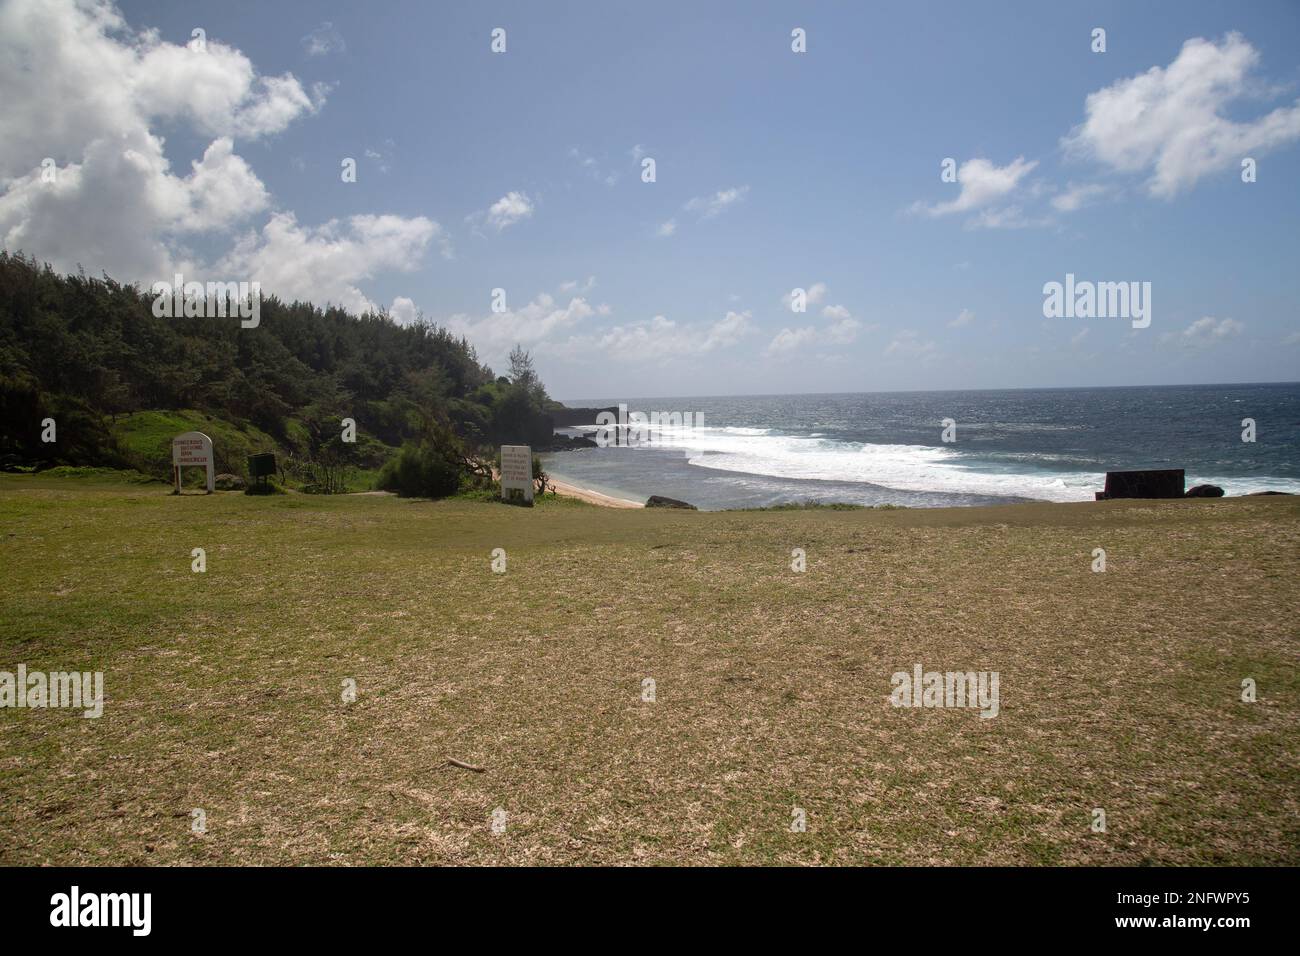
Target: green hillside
{"points": [[145, 440], [118, 383]]}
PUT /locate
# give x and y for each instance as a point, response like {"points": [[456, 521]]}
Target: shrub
{"points": [[431, 468]]}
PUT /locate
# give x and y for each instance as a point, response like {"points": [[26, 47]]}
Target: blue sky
{"points": [[776, 170]]}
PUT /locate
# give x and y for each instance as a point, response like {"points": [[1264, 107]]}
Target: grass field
{"points": [[1119, 691]]}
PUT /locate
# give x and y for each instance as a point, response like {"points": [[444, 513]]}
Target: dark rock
{"points": [[658, 501], [1152, 483], [229, 482], [567, 443], [1254, 493], [567, 417], [1204, 491]]}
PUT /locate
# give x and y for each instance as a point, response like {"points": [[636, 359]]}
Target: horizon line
{"points": [[910, 391]]}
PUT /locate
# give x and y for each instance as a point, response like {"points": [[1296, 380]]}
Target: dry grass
{"points": [[1119, 690]]}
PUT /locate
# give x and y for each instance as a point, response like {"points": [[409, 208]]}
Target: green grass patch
{"points": [[815, 505], [83, 473], [1119, 690], [146, 441]]}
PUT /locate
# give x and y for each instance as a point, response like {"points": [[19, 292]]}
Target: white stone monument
{"points": [[517, 473], [192, 450]]}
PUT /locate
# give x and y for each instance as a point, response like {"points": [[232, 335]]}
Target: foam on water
{"points": [[904, 467], [922, 468], [1053, 445]]}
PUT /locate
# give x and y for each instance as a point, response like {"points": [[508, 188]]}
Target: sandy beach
{"points": [[593, 497], [567, 490]]}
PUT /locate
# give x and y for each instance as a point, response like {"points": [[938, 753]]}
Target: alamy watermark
{"points": [[923, 688], [75, 908], [216, 300], [1098, 300], [36, 689], [640, 429]]}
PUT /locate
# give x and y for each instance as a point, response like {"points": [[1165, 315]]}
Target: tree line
{"points": [[89, 353]]}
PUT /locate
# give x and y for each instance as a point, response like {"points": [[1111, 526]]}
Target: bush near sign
{"points": [[517, 473], [192, 450]]}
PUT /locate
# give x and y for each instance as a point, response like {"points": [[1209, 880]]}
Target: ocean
{"points": [[878, 448]]}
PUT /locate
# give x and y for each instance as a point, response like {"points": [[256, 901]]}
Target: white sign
{"points": [[517, 473], [192, 450]]}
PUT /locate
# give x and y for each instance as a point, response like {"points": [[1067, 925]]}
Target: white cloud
{"points": [[511, 208], [1077, 339], [705, 207], [1005, 217], [74, 73], [323, 264], [1076, 196], [121, 210], [218, 185], [494, 334], [964, 318], [908, 344], [813, 295], [709, 206], [218, 92], [1169, 121], [1205, 332], [660, 338], [842, 329], [728, 330], [85, 89], [382, 159], [789, 339], [592, 167], [323, 40], [582, 288], [403, 311], [982, 185]]}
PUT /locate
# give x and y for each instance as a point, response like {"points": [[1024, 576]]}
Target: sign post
{"points": [[192, 449], [517, 473]]}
